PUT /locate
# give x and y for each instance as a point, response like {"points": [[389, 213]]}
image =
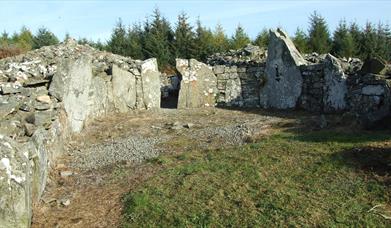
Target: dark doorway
{"points": [[170, 91]]}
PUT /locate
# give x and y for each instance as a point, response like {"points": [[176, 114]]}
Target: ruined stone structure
{"points": [[50, 93], [282, 78]]}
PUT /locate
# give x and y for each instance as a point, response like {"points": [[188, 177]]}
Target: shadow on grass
{"points": [[375, 160], [286, 114], [354, 149], [342, 136]]}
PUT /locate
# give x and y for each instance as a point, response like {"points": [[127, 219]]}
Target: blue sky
{"points": [[96, 19]]}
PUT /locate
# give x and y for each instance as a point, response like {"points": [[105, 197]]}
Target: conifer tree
{"points": [[134, 40], [343, 42], [117, 43], [240, 39], [203, 42], [318, 34], [368, 42], [25, 39], [184, 38], [44, 38], [383, 37], [262, 39], [356, 34], [300, 40], [220, 40], [4, 40], [158, 40]]}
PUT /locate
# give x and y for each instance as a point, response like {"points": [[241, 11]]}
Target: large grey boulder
{"points": [[283, 80], [198, 86]]}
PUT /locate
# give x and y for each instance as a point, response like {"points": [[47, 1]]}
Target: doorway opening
{"points": [[170, 91]]}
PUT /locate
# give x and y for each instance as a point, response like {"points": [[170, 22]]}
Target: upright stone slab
{"points": [[198, 86], [76, 93], [15, 191], [150, 78], [124, 89], [283, 80], [335, 88]]}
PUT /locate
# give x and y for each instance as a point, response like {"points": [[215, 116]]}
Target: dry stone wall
{"points": [[282, 78], [239, 76], [50, 93]]}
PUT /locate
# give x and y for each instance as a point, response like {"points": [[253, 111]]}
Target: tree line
{"points": [[156, 37]]}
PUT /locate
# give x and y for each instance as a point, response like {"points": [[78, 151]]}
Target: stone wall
{"points": [[282, 78], [369, 98], [239, 76], [50, 93], [238, 85]]}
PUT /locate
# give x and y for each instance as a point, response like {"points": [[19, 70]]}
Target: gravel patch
{"points": [[232, 135], [131, 149]]}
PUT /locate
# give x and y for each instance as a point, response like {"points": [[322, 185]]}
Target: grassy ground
{"points": [[291, 178]]}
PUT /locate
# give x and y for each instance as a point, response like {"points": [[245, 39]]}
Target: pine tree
{"points": [[220, 40], [134, 40], [203, 42], [184, 43], [319, 36], [117, 43], [262, 39], [67, 36], [240, 39], [356, 34], [44, 38], [343, 42], [4, 40], [383, 36], [368, 42], [300, 40], [25, 39], [158, 40]]}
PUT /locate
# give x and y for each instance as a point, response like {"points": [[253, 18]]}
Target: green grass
{"points": [[287, 179]]}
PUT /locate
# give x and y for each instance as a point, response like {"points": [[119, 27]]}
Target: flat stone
{"points": [[373, 66], [29, 129], [66, 173], [33, 83], [65, 202], [44, 99], [8, 107], [189, 125], [373, 90], [10, 88]]}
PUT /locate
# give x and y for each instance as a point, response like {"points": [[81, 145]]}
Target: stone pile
{"points": [[247, 56], [49, 93]]}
